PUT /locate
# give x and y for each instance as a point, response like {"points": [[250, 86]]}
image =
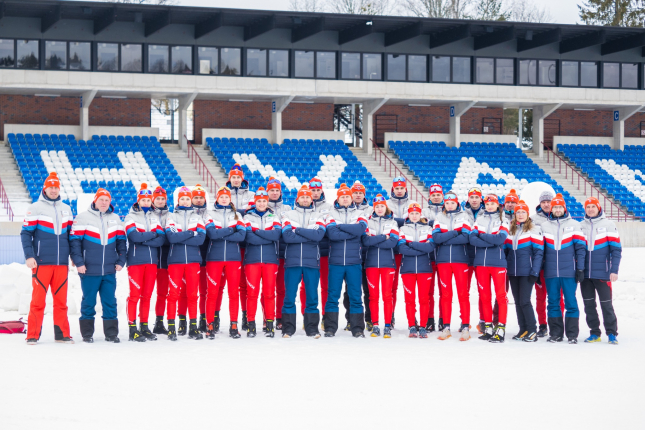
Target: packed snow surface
{"points": [[337, 383]]}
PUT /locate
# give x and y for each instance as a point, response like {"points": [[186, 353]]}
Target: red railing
{"points": [[4, 198], [389, 166], [209, 180], [614, 212]]}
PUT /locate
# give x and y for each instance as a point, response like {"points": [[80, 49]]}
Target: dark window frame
{"points": [[15, 53], [40, 50], [360, 71], [382, 66], [95, 57], [146, 59], [191, 62], [473, 66], [268, 50], [407, 67], [638, 75], [91, 68], [558, 71], [219, 59]]}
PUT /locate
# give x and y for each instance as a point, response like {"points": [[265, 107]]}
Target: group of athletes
{"points": [[260, 248]]}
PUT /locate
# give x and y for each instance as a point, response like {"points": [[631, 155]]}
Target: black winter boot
{"points": [[392, 323], [159, 327], [278, 323], [145, 331], [270, 331], [232, 331], [288, 325], [172, 333], [264, 326], [543, 331], [183, 328], [331, 322], [193, 332], [135, 335], [311, 321], [111, 330], [556, 327], [202, 323], [245, 322], [210, 331], [572, 328], [87, 330], [251, 332], [440, 325], [357, 322], [216, 322], [488, 332], [430, 325]]}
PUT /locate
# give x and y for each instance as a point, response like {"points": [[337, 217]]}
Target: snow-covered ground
{"points": [[337, 383]]}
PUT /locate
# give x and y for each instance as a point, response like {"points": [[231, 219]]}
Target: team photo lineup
{"points": [[260, 249]]}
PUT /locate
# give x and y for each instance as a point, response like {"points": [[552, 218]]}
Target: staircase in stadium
{"points": [[182, 164], [562, 179], [379, 170], [13, 184]]}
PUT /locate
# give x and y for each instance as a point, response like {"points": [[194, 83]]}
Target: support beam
{"points": [[620, 115], [539, 113], [540, 39], [495, 38], [106, 20], [449, 36], [581, 42], [86, 100], [160, 21], [258, 28], [456, 111], [307, 30], [50, 18], [277, 106], [208, 25], [355, 32], [402, 34], [182, 109], [2, 10], [622, 44], [369, 109]]}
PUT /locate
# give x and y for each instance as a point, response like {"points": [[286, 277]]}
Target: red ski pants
{"points": [[433, 281], [460, 272], [484, 276], [279, 290], [214, 270], [395, 282], [242, 283], [324, 286], [540, 300], [410, 283], [43, 278], [267, 274], [183, 276], [162, 292], [142, 280], [182, 304], [386, 278]]}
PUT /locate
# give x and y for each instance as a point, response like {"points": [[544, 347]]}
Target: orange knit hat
{"points": [[102, 192], [261, 194], [593, 201], [512, 197], [223, 191], [304, 191], [236, 170], [343, 191], [522, 206], [184, 192], [198, 191], [159, 192], [358, 188], [52, 181], [558, 200], [144, 192]]}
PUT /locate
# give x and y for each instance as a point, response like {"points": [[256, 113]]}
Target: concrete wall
{"points": [[632, 234], [10, 245], [76, 130], [445, 137], [266, 134]]}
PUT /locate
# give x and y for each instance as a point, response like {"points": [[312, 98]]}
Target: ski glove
{"points": [[532, 280], [580, 276]]}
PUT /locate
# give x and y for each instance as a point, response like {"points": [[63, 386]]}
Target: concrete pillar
{"points": [[369, 109], [277, 106], [86, 100], [456, 111], [620, 115], [182, 110], [539, 113]]}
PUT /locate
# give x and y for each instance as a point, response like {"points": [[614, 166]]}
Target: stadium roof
{"points": [[349, 27]]}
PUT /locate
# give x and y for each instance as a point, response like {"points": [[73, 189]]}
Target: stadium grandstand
{"points": [[294, 95]]}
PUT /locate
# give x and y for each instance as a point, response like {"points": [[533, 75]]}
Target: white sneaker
{"points": [[445, 334], [465, 334]]}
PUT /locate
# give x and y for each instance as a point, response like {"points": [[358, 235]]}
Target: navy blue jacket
{"points": [[278, 207], [488, 236], [524, 251], [225, 234], [164, 250], [604, 250], [472, 217], [302, 230], [263, 232], [145, 236], [417, 246], [45, 232], [345, 227], [323, 208], [451, 233], [98, 242], [186, 232], [564, 247], [202, 211], [381, 239]]}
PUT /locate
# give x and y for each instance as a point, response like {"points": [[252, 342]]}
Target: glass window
{"points": [[350, 66], [611, 75], [131, 60], [158, 59], [207, 60], [304, 64], [6, 53], [485, 71], [256, 62], [417, 68], [28, 54], [182, 59], [588, 74], [107, 57], [570, 73], [279, 63], [230, 61], [80, 55], [372, 65], [326, 65], [396, 67], [55, 55], [440, 69], [528, 72], [629, 75], [461, 69], [546, 72], [504, 71]]}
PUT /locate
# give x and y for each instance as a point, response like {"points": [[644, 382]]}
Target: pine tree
{"points": [[623, 13]]}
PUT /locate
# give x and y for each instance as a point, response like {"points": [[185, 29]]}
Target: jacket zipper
{"points": [[56, 226], [345, 247], [304, 218], [226, 226], [261, 246], [145, 218], [378, 252], [450, 228], [557, 251], [185, 228], [416, 258], [103, 239], [592, 245]]}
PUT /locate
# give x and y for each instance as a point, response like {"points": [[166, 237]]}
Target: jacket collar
{"points": [[96, 212], [564, 217], [601, 215], [43, 198], [299, 208], [392, 196], [255, 211], [243, 186], [374, 216], [351, 207]]}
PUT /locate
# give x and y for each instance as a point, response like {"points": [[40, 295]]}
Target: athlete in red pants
{"points": [[142, 280], [162, 292], [385, 277], [177, 273], [446, 272], [160, 209], [232, 270], [200, 207], [43, 278], [434, 283]]}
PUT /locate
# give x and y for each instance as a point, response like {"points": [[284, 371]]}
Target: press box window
{"points": [[131, 57], [256, 62], [417, 68], [546, 73], [107, 57], [230, 61], [326, 65], [279, 63], [372, 67], [570, 73], [440, 69], [396, 67], [207, 58], [461, 70], [588, 74], [80, 55], [7, 55], [158, 59], [350, 66], [182, 59], [485, 71], [55, 55], [304, 64], [28, 57]]}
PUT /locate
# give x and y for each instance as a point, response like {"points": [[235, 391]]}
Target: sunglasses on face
{"points": [[315, 184], [145, 192], [450, 197], [399, 179]]}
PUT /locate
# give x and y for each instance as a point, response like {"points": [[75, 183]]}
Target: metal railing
{"points": [[389, 166], [611, 209], [4, 198], [209, 180]]}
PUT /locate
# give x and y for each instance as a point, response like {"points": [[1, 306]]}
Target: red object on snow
{"points": [[11, 327]]}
